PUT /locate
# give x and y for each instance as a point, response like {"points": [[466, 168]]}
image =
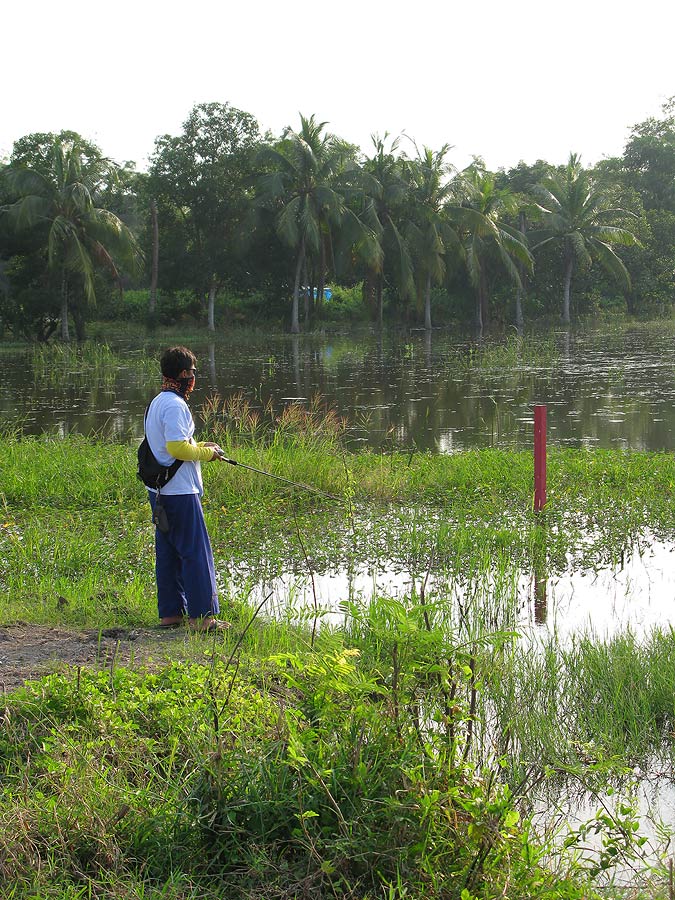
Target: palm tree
{"points": [[303, 187], [80, 238], [439, 219], [430, 232], [489, 236], [576, 213], [386, 204]]}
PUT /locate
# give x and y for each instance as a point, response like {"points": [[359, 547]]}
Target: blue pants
{"points": [[186, 578]]}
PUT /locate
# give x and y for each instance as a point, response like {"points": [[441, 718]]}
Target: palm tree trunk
{"points": [[427, 304], [295, 321], [79, 321], [322, 279], [212, 303], [155, 257], [309, 293], [520, 290], [369, 291], [519, 309], [304, 284], [212, 366], [484, 299], [65, 334], [479, 309], [379, 286], [567, 288]]}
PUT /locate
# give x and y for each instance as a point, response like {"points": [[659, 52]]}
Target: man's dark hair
{"points": [[175, 359]]}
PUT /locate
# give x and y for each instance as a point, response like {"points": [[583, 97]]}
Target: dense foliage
{"points": [[239, 226]]}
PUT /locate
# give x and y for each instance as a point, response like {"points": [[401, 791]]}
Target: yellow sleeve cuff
{"points": [[188, 451]]}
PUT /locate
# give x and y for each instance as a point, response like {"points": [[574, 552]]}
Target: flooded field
{"points": [[572, 613], [434, 392]]}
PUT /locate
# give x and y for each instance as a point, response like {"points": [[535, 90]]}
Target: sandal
{"points": [[174, 622]]}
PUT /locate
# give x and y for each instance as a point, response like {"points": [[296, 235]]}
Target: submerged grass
{"points": [[52, 363], [76, 502], [514, 351]]}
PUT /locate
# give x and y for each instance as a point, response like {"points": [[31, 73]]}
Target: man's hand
{"points": [[217, 451]]}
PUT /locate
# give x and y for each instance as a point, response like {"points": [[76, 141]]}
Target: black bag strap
{"points": [[168, 471]]}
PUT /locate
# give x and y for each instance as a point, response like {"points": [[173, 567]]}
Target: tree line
{"points": [[229, 224]]}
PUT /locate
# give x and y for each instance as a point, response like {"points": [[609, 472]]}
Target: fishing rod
{"points": [[299, 484]]}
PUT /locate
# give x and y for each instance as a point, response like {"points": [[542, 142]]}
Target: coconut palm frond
{"points": [[330, 202], [21, 182], [506, 256], [611, 263], [28, 212], [287, 222], [616, 212], [547, 200], [79, 195], [309, 224], [270, 188], [578, 246], [105, 260], [611, 234], [515, 248], [473, 263], [62, 232], [472, 220], [539, 239], [403, 262]]}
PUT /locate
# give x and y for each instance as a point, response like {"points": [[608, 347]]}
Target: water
{"points": [[635, 594], [405, 389]]}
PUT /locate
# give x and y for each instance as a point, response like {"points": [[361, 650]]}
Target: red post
{"points": [[539, 458]]}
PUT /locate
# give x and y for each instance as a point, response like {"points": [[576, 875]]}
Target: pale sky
{"points": [[503, 79]]}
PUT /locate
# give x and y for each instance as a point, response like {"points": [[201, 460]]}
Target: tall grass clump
{"points": [[514, 351], [303, 443], [296, 426], [609, 700], [52, 363]]}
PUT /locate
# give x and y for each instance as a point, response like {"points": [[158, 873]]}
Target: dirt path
{"points": [[31, 651]]}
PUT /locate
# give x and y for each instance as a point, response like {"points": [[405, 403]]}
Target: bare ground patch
{"points": [[32, 651]]}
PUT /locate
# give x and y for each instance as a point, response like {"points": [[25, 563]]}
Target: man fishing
{"points": [[186, 580]]}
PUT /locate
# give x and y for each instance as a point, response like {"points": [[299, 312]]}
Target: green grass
{"points": [[513, 351], [77, 504], [396, 755], [303, 771]]}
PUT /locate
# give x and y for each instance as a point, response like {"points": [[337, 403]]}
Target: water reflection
{"points": [[414, 389], [635, 595]]}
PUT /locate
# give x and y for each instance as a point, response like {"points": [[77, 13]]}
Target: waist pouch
{"points": [[152, 473]]}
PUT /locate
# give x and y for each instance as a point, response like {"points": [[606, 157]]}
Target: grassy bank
{"points": [[399, 754]]}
